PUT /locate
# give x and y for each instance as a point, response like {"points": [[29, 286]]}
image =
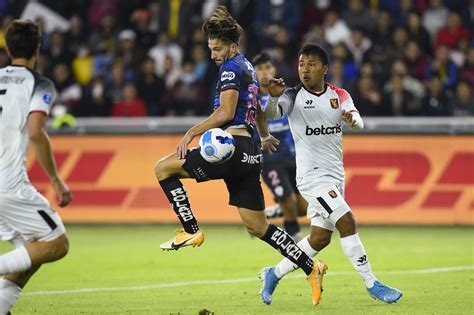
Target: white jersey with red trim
{"points": [[316, 124], [22, 91]]}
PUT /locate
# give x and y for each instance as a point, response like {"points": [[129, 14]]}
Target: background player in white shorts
{"points": [[26, 219], [316, 111]]}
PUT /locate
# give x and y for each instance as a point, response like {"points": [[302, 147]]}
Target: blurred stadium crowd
{"points": [[149, 58]]}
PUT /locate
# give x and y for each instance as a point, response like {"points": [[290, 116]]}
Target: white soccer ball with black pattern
{"points": [[216, 145]]}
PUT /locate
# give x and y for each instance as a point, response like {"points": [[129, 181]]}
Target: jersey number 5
{"points": [[2, 92]]}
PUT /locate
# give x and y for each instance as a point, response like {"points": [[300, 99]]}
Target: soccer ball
{"points": [[216, 145]]}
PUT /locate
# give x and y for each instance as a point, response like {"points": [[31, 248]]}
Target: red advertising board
{"points": [[389, 180]]}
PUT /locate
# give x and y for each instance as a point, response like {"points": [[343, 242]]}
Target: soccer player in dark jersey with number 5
{"points": [[235, 110]]}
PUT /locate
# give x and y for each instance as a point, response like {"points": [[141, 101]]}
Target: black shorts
{"points": [[241, 173], [280, 177]]}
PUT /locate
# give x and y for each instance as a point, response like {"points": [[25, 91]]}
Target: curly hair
{"points": [[221, 25]]}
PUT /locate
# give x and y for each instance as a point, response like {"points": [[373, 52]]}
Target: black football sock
{"points": [[291, 227], [280, 240], [178, 198]]}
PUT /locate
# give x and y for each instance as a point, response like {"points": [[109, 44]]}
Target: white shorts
{"points": [[25, 221], [326, 204]]}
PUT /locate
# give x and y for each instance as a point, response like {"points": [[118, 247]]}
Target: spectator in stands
{"points": [[383, 31], [399, 42], [357, 15], [68, 90], [277, 22], [200, 60], [404, 9], [116, 82], [96, 101], [368, 98], [164, 48], [98, 9], [76, 34], [397, 99], [187, 96], [463, 102], [131, 105], [443, 67], [437, 100], [145, 26], [435, 17], [104, 40], [467, 72], [129, 53], [58, 52], [316, 35], [83, 64], [417, 32], [151, 88], [452, 33], [341, 53], [358, 44], [335, 29], [415, 60], [410, 83], [336, 74]]}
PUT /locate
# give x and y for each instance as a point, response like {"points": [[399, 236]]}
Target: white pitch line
{"points": [[239, 280]]}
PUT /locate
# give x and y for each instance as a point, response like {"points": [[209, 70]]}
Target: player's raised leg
{"points": [[318, 239], [168, 171], [257, 225]]}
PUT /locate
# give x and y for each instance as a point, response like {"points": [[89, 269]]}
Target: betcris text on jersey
{"points": [[323, 130]]}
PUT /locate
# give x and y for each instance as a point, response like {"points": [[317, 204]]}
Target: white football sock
{"points": [[17, 260], [285, 266], [354, 250], [9, 293]]}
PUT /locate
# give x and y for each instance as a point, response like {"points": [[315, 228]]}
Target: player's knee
{"points": [[256, 230], [59, 248], [160, 170], [320, 241], [346, 225]]}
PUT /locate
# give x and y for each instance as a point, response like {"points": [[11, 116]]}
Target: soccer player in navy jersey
{"points": [[279, 167], [236, 111]]}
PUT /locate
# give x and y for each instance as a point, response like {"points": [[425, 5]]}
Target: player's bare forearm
{"points": [[44, 154], [40, 141]]}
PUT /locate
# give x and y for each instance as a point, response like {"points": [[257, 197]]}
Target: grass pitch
{"points": [[120, 270]]}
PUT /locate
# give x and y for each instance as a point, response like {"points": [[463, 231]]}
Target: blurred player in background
{"points": [[279, 167], [27, 220], [316, 112], [235, 110]]}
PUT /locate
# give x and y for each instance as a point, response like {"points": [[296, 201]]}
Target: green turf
{"points": [[126, 256]]}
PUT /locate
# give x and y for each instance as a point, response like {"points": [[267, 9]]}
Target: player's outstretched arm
{"points": [[40, 142], [353, 119], [276, 88], [222, 115], [269, 143]]}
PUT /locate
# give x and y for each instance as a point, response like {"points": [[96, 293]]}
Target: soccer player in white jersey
{"points": [[316, 112], [27, 220]]}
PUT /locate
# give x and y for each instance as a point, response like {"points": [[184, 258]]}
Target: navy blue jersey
{"points": [[280, 129], [238, 74]]}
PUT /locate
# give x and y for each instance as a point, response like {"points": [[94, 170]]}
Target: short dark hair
{"points": [[261, 58], [315, 50], [22, 38], [221, 25]]}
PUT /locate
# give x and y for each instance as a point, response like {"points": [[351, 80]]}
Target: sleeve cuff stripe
{"points": [[39, 111]]}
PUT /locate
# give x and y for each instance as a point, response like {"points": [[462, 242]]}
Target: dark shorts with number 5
{"points": [[241, 173]]}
